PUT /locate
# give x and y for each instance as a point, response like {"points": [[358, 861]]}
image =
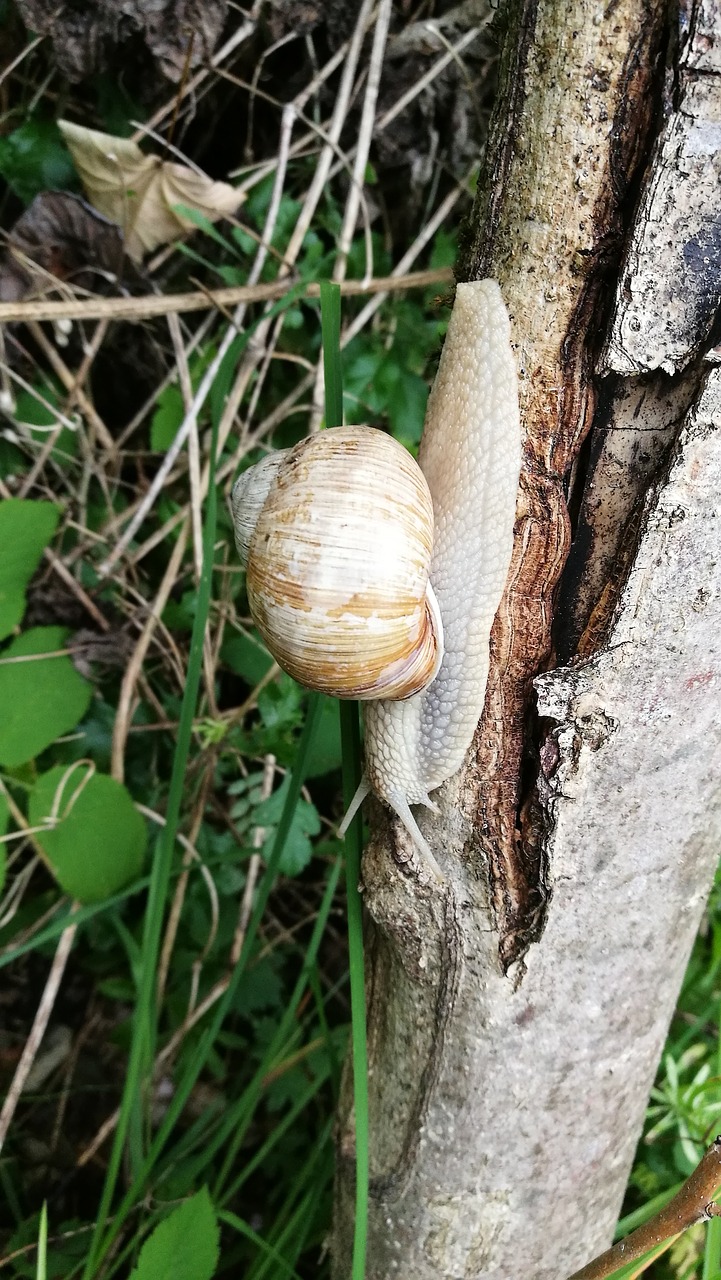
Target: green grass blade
{"points": [[285, 1027], [334, 1063], [294, 1219], [143, 1037], [712, 1250], [41, 1270], [200, 1056], [277, 1134], [237, 1224], [639, 1216], [143, 1040], [350, 750], [350, 745], [632, 1269], [295, 1234], [330, 321], [66, 915]]}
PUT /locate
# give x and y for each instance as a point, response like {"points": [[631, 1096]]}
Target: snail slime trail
{"points": [[395, 603]]}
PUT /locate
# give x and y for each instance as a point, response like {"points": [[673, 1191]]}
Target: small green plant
{"points": [[184, 1246], [84, 824], [34, 158], [686, 1103]]}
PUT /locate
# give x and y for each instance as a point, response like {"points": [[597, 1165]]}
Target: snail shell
{"points": [[337, 537], [338, 561]]}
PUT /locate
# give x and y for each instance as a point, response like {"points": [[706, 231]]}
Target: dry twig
{"points": [[37, 1031], [162, 304], [132, 672], [693, 1203]]}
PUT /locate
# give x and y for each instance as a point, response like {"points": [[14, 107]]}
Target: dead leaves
{"points": [[140, 192], [59, 237], [134, 210]]}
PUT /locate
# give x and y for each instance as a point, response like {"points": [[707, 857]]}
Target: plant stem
{"points": [[350, 751], [350, 746], [144, 1023], [693, 1203]]}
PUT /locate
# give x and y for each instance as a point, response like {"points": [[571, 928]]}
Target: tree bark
{"points": [[516, 1018]]}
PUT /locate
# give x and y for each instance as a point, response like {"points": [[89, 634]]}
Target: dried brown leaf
{"points": [[138, 191], [59, 237]]}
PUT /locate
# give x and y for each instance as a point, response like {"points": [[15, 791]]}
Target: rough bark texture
{"points": [[678, 223], [515, 1020], [583, 94]]}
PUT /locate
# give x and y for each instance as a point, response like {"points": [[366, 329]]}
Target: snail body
{"points": [[416, 736]]}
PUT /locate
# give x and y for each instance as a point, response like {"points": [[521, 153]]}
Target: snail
{"points": [[336, 536], [371, 576]]}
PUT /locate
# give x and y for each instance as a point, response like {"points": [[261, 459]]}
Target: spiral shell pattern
{"points": [[338, 564]]}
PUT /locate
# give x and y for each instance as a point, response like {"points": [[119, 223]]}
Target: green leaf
{"points": [[170, 406], [232, 276], [117, 989], [224, 377], [179, 615], [12, 461], [280, 703], [261, 989], [325, 754], [41, 419], [203, 223], [38, 410], [361, 370], [65, 1248], [245, 243], [41, 698], [298, 850], [443, 250], [330, 318], [26, 528], [34, 158], [184, 1246], [406, 406], [247, 657], [167, 418], [98, 841]]}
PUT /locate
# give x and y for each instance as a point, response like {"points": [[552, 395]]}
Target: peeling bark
{"points": [[548, 224], [516, 1019], [663, 316], [636, 423]]}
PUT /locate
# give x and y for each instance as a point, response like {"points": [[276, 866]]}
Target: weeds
{"points": [[189, 934]]}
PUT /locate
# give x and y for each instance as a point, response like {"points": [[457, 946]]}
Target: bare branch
{"points": [[692, 1204]]}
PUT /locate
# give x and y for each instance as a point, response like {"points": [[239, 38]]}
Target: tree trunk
{"points": [[517, 1016]]}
